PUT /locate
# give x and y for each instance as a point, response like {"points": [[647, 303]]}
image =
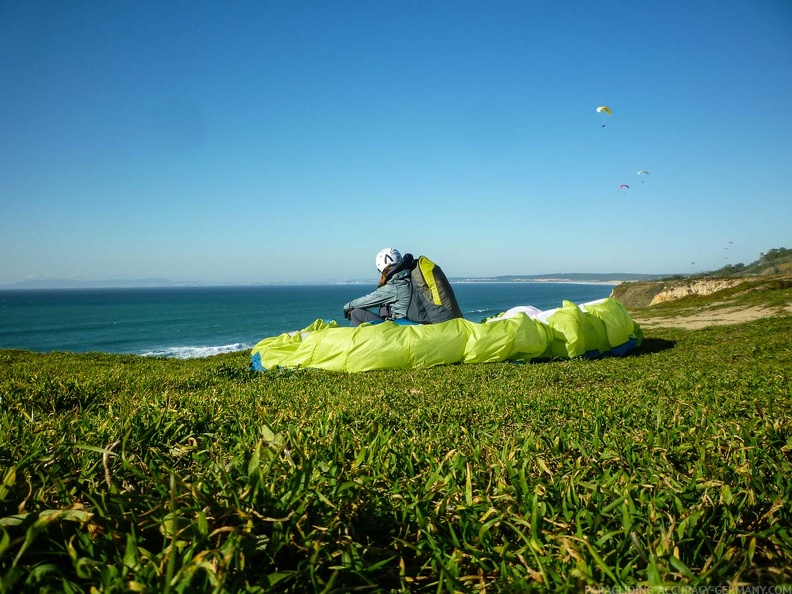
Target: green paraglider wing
{"points": [[598, 328]]}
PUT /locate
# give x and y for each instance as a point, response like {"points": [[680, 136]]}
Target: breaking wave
{"points": [[195, 352]]}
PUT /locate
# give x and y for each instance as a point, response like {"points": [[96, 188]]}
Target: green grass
{"points": [[672, 466]]}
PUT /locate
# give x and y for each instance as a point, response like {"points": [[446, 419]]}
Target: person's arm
{"points": [[383, 295]]}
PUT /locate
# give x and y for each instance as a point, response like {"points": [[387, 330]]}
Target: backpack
{"points": [[432, 299]]}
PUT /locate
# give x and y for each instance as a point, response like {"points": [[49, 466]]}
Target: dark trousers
{"points": [[357, 316]]}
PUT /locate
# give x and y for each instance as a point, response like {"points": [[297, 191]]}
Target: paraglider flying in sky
{"points": [[642, 172], [604, 109], [624, 186]]}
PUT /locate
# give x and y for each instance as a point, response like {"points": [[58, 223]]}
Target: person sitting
{"points": [[391, 298]]}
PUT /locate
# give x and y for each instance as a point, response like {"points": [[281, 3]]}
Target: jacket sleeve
{"points": [[384, 295]]}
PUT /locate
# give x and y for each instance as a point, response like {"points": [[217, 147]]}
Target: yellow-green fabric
{"points": [[568, 332], [576, 333]]}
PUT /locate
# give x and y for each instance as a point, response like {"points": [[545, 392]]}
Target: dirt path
{"points": [[712, 317]]}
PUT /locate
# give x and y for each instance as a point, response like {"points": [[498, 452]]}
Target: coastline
{"points": [[546, 281], [58, 284]]}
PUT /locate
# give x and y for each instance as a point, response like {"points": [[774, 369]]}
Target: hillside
{"points": [[771, 272], [647, 294], [731, 301], [775, 261]]}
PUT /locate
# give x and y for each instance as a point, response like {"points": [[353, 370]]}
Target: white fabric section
{"points": [[528, 310], [536, 313]]}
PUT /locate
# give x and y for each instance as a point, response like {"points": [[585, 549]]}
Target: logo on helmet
{"points": [[387, 257]]}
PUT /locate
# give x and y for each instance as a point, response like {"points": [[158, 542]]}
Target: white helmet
{"points": [[387, 257]]}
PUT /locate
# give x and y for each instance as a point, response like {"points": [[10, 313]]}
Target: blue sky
{"points": [[290, 141]]}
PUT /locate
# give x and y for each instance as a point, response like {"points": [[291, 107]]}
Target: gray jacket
{"points": [[395, 293]]}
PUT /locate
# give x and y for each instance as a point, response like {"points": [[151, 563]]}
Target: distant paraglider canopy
{"points": [[604, 109], [624, 186]]}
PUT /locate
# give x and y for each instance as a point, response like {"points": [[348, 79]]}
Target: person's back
{"points": [[416, 290]]}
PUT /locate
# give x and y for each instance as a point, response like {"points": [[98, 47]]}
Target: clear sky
{"points": [[290, 141]]}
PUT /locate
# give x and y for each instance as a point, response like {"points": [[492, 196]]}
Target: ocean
{"points": [[188, 322]]}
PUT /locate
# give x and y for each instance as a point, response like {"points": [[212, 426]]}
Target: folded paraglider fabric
{"points": [[522, 334]]}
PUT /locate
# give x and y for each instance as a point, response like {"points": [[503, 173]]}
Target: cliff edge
{"points": [[697, 303]]}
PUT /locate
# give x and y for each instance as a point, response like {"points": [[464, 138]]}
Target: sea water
{"points": [[202, 321]]}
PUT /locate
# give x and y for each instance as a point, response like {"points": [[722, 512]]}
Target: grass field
{"points": [[670, 466]]}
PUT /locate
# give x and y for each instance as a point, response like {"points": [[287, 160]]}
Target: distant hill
{"points": [[98, 284], [560, 277], [774, 262]]}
